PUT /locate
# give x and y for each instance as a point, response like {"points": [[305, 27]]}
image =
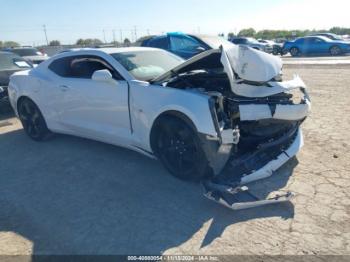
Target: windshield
{"points": [[26, 52], [147, 65], [10, 61], [215, 42]]}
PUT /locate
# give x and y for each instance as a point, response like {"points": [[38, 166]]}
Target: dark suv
{"points": [[9, 64]]}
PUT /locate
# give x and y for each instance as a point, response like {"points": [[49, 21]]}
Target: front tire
{"points": [[294, 51], [179, 149], [32, 120], [335, 50]]}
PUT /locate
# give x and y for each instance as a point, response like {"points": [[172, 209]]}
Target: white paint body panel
{"points": [[99, 110]]}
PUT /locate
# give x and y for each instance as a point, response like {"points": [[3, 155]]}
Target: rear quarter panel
{"points": [[21, 84], [32, 84]]}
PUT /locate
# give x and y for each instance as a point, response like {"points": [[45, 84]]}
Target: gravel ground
{"points": [[76, 196]]}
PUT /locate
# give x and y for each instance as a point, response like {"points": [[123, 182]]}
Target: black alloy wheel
{"points": [[179, 149], [32, 120]]}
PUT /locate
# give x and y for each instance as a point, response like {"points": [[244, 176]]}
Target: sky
{"points": [[68, 20]]}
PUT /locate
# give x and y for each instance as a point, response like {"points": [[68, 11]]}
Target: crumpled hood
{"points": [[251, 72], [250, 64]]}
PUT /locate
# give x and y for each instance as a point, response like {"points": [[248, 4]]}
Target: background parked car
{"points": [[276, 47], [253, 43], [9, 64], [329, 35], [31, 54], [316, 45], [185, 45]]}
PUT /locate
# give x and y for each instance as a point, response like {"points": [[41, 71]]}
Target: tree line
{"points": [[89, 42], [247, 32]]}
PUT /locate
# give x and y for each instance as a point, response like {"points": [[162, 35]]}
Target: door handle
{"points": [[64, 88]]}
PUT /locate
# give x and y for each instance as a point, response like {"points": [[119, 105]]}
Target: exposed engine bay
{"points": [[257, 115]]}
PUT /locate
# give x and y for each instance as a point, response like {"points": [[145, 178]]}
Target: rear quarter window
{"points": [[61, 66]]}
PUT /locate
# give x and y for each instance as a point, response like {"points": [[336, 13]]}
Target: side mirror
{"points": [[102, 76]]}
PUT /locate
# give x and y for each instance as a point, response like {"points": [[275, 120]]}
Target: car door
{"points": [[90, 108], [304, 45], [315, 45], [320, 46]]}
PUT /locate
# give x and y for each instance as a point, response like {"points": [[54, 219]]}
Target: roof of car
{"points": [[112, 50], [317, 36], [7, 53], [127, 49], [326, 34], [23, 47]]}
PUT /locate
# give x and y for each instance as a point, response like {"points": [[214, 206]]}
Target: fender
{"points": [[147, 103]]}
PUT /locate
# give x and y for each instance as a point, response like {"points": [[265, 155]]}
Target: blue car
{"points": [[185, 45], [316, 45]]}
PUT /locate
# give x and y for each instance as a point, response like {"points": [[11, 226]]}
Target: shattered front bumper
{"points": [[235, 195], [227, 187]]}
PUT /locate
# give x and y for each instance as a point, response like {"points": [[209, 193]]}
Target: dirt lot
{"points": [[75, 196]]}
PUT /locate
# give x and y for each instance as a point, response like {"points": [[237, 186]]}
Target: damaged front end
{"points": [[256, 114]]}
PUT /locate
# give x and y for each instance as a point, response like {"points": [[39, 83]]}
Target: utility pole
{"points": [[113, 36], [148, 32], [135, 33], [47, 41], [104, 36], [121, 36]]}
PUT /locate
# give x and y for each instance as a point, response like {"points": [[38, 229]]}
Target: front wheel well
{"points": [[20, 99], [165, 117]]}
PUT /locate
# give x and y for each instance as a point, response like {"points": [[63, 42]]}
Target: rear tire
{"points": [[178, 147], [32, 120], [294, 51], [335, 50]]}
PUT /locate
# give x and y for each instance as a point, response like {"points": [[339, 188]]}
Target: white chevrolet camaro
{"points": [[224, 117]]}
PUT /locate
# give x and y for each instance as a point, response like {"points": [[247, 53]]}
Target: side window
{"points": [[310, 40], [317, 40], [81, 67], [183, 43], [161, 42], [85, 67], [61, 66], [239, 41]]}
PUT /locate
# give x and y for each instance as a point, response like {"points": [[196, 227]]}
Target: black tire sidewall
{"points": [[44, 131], [297, 53], [201, 168]]}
